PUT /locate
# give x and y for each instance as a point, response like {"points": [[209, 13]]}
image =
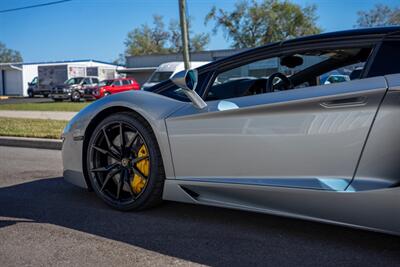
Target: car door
{"points": [[95, 82], [116, 86], [309, 137], [86, 83], [126, 85]]}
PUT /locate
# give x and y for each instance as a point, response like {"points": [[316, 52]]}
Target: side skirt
{"points": [[373, 210]]}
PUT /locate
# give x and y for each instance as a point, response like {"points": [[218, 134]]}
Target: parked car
{"points": [[166, 70], [33, 88], [286, 145], [73, 88], [112, 86]]}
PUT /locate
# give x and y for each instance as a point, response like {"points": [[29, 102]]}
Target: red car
{"points": [[113, 86]]}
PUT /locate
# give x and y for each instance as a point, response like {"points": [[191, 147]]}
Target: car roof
{"points": [[354, 33], [376, 32]]}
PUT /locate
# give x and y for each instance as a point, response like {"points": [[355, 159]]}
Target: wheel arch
{"points": [[96, 120]]}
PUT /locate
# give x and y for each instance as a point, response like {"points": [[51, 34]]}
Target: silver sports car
{"points": [[261, 131]]}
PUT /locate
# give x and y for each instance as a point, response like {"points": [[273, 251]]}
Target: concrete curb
{"points": [[42, 143]]}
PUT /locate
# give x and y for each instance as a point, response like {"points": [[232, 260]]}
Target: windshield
{"points": [[159, 76], [106, 82], [73, 81]]}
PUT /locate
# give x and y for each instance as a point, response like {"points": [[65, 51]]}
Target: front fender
{"points": [[152, 107]]}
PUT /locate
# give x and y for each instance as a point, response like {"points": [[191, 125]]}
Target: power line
{"points": [[34, 6]]}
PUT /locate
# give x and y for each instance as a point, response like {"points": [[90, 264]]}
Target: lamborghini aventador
{"points": [[261, 130]]}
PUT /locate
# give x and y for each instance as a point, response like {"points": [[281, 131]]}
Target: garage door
{"points": [[13, 82]]}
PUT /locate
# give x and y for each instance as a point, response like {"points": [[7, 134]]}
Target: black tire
{"points": [[45, 95], [151, 194], [107, 93], [75, 96]]}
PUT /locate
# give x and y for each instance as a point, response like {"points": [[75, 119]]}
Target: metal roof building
{"points": [[14, 77]]}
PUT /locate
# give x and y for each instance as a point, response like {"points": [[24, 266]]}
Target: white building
{"points": [[14, 77]]}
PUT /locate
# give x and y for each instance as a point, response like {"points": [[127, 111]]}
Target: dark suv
{"points": [[33, 89], [73, 88]]}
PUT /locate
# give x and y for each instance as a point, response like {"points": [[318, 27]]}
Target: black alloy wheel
{"points": [[124, 163]]}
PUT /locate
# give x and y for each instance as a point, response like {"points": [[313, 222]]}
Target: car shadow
{"points": [[205, 235]]}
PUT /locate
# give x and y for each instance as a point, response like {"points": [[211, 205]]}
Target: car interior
{"points": [[295, 73]]}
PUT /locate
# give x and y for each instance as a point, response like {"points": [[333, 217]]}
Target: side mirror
{"points": [[187, 81]]}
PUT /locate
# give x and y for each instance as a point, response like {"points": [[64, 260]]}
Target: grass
{"points": [[31, 128], [53, 106]]}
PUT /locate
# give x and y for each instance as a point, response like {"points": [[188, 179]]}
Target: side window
{"points": [[389, 51], [117, 83], [86, 81], [126, 82], [95, 80], [290, 71]]}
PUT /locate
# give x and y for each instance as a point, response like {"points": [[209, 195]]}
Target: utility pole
{"points": [[184, 33]]}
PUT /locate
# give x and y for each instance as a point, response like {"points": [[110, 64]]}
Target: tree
{"points": [[197, 42], [145, 40], [9, 55], [256, 23], [380, 15]]}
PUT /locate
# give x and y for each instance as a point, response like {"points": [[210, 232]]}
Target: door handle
{"points": [[345, 102]]}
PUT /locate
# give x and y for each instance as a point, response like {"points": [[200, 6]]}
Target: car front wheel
{"points": [[75, 96], [124, 163]]}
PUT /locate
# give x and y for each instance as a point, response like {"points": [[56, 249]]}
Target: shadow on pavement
{"points": [[205, 235]]}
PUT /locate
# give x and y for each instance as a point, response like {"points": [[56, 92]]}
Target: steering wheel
{"points": [[285, 82]]}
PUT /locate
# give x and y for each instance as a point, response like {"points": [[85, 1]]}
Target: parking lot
{"points": [[45, 221]]}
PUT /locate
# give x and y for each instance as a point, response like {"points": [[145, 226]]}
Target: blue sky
{"points": [[97, 29]]}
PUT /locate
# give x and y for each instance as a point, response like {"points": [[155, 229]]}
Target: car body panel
{"points": [[255, 141], [382, 143]]}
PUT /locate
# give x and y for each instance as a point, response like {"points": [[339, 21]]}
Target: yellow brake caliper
{"points": [[143, 166]]}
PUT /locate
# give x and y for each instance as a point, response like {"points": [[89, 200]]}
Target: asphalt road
{"points": [[45, 221]]}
